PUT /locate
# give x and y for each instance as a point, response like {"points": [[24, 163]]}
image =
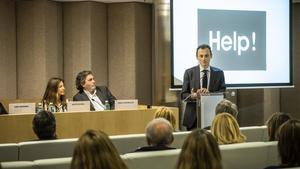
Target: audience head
{"points": [[85, 81], [55, 91], [94, 150], [228, 107], [226, 129], [289, 143], [199, 151], [159, 132], [166, 113], [274, 122], [44, 125]]}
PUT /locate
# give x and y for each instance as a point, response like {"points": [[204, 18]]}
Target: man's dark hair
{"points": [[80, 79], [204, 46], [44, 125]]}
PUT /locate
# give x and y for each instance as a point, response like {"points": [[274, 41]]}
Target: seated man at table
{"points": [[44, 125], [159, 135], [88, 91]]}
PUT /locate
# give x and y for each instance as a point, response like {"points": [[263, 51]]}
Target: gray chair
{"points": [[34, 150], [165, 159], [255, 133], [128, 143], [9, 152], [18, 165], [249, 155], [179, 138], [54, 163]]}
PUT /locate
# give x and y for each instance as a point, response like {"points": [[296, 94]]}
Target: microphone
{"points": [[98, 103]]}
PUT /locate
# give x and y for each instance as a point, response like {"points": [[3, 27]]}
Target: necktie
{"points": [[204, 79]]}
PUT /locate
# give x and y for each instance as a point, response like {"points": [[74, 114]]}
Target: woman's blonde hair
{"points": [[95, 150], [166, 113], [226, 130], [200, 151]]}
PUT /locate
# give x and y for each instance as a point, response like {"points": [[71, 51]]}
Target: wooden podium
{"points": [[18, 127]]}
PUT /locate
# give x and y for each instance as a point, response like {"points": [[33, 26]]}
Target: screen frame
{"points": [[290, 84]]}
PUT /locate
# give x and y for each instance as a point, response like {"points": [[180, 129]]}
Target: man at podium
{"points": [[198, 80]]}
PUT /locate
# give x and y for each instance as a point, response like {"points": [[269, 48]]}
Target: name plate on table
{"points": [[21, 108], [79, 106], [126, 104]]}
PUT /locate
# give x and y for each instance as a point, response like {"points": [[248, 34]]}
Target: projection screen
{"points": [[250, 40]]}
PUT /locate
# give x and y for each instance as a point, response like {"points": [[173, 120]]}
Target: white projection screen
{"points": [[250, 40]]}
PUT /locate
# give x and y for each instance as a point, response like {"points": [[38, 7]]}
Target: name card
{"points": [[78, 106], [21, 108], [126, 104]]}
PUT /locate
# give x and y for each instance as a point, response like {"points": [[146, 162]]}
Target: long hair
{"points": [[289, 144], [274, 122], [51, 92], [166, 113], [199, 151], [94, 150], [226, 130]]}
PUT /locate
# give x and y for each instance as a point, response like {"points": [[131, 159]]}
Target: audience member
{"points": [[94, 150], [199, 151], [289, 144], [88, 91], [226, 129], [228, 107], [274, 122], [159, 135], [44, 125], [225, 106], [55, 94], [166, 113]]}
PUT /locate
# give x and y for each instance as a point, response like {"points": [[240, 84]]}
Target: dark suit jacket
{"points": [[152, 148], [102, 92], [191, 80]]}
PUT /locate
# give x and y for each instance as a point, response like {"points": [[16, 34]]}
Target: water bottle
{"points": [[51, 107], [107, 105], [39, 107]]}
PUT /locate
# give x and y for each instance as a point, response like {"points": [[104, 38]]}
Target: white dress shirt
{"points": [[95, 100]]}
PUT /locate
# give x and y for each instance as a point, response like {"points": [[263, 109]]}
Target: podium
{"points": [[205, 108]]}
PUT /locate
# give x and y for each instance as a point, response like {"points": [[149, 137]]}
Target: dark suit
{"points": [[103, 94], [191, 81], [152, 148]]}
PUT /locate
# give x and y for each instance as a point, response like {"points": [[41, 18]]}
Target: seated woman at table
{"points": [[55, 94]]}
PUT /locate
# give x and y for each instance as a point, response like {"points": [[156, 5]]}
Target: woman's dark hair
{"points": [[51, 92], [289, 143], [80, 79], [200, 151], [94, 150], [274, 122]]}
